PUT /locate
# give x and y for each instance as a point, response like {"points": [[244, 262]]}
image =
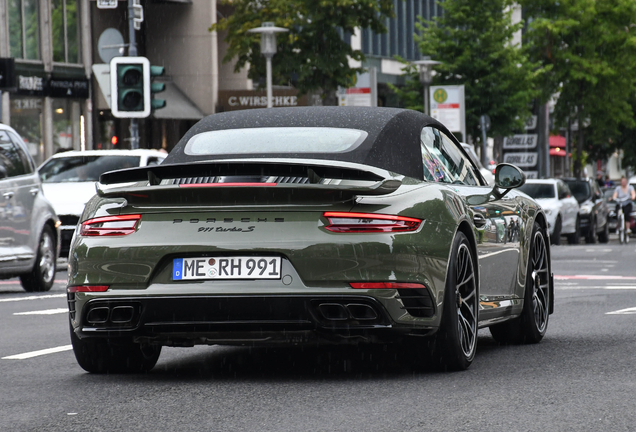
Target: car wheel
{"points": [[575, 237], [603, 236], [43, 274], [590, 236], [112, 356], [456, 341], [556, 235], [531, 325]]}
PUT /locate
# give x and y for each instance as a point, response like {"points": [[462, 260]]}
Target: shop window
{"points": [[66, 114], [66, 33], [26, 115], [24, 36]]}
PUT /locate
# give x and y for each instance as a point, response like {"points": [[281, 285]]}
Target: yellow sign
{"points": [[440, 95]]}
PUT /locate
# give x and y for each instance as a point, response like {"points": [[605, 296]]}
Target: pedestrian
{"points": [[600, 178]]}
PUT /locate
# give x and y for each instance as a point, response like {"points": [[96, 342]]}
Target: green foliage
{"points": [[411, 95], [589, 50], [313, 55], [473, 40]]}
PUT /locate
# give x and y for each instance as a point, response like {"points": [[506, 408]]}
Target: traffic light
{"points": [[156, 87], [130, 87]]}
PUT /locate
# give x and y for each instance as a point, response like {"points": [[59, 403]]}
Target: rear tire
{"points": [[42, 276], [556, 236], [590, 236], [105, 356], [531, 325], [603, 236], [456, 341], [575, 237]]}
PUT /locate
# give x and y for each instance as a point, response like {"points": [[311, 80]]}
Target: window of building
{"points": [[66, 32], [24, 35]]}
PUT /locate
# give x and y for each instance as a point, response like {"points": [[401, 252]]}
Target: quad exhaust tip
{"points": [[345, 312]]}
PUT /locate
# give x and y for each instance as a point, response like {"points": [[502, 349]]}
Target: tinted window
{"points": [[443, 161], [580, 189], [291, 140], [11, 157], [83, 168], [538, 190]]}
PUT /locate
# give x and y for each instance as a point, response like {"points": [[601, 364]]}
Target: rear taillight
{"points": [[385, 285], [345, 222], [110, 225], [87, 288]]}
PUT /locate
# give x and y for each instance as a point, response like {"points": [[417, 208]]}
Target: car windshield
{"points": [[83, 168], [538, 190], [580, 190], [275, 140]]}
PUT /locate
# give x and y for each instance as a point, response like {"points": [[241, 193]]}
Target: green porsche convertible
{"points": [[317, 225]]}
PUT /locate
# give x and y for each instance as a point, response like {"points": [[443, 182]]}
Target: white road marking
{"points": [[598, 250], [48, 296], [560, 287], [486, 255], [38, 353], [44, 312], [627, 311], [593, 277], [57, 281]]}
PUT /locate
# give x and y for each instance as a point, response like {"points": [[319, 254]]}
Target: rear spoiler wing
{"points": [[279, 181]]}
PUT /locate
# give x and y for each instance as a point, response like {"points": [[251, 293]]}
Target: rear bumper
{"points": [[240, 320]]}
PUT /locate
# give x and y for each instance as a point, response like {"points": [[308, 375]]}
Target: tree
{"points": [[588, 48], [313, 56], [473, 40]]}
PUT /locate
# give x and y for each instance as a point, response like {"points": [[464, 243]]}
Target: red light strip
{"points": [[385, 285], [370, 216], [345, 222], [88, 288], [89, 230], [193, 185]]}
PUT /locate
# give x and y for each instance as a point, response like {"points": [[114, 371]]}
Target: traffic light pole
{"points": [[132, 52]]}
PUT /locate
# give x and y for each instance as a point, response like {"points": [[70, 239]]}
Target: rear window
{"points": [[83, 168], [538, 190], [280, 140], [580, 190]]}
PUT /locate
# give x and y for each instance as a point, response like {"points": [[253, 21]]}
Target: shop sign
{"points": [[106, 4], [68, 88], [30, 85], [20, 104], [520, 142], [7, 73], [522, 160], [232, 100]]}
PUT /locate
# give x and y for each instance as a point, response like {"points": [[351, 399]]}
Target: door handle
{"points": [[479, 220], [8, 195], [34, 191]]}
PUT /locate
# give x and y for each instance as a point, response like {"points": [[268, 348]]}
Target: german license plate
{"points": [[242, 267]]}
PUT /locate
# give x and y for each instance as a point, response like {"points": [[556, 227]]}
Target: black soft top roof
{"points": [[393, 141]]}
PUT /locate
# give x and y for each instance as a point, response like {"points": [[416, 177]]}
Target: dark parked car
{"points": [[292, 226], [593, 211], [29, 235]]}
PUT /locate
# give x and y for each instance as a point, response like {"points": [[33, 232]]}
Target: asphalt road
{"points": [[581, 377]]}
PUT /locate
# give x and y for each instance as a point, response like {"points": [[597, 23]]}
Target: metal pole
{"points": [[268, 65], [484, 139], [132, 52], [426, 110]]}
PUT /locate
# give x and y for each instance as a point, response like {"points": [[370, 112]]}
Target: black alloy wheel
{"points": [[532, 324], [603, 236], [590, 236], [575, 237], [456, 341]]}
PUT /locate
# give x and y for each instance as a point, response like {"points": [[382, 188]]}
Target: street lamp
{"points": [[268, 49], [425, 67]]}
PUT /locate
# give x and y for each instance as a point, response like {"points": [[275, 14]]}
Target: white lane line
{"points": [[38, 353], [593, 277], [57, 281], [489, 254], [627, 311], [44, 312], [589, 287], [48, 296]]}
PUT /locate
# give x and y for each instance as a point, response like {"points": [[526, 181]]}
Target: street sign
{"points": [[76, 88], [106, 4], [449, 108], [531, 123], [522, 160], [520, 142]]}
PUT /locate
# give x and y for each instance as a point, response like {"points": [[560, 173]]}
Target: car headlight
{"points": [[585, 210], [548, 211]]}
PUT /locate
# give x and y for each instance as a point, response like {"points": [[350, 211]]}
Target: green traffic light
{"points": [[130, 87], [157, 87], [157, 103], [156, 70]]}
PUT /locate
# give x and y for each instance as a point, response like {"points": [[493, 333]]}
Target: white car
{"points": [[68, 180], [485, 173], [560, 207]]}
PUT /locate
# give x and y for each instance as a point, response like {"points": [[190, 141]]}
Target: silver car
{"points": [[29, 228]]}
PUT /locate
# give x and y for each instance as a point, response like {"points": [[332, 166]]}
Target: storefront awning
{"points": [[178, 105]]}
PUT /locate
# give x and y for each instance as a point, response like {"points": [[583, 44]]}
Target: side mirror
{"points": [[508, 176]]}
